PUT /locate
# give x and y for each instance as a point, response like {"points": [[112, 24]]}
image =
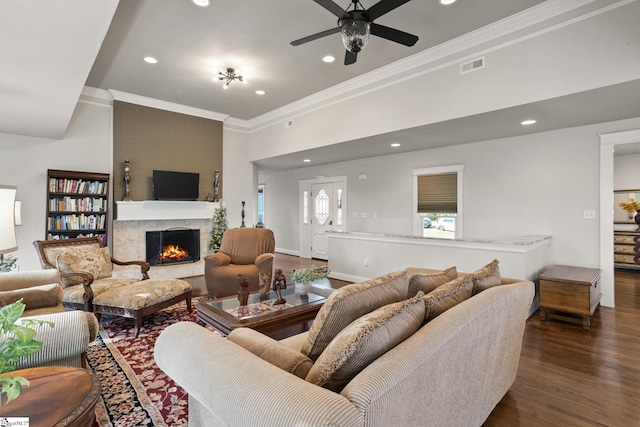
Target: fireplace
{"points": [[173, 246]]}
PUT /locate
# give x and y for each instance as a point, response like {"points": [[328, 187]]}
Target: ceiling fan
{"points": [[356, 24]]}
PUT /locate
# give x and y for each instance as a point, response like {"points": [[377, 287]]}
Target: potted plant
{"points": [[632, 207], [16, 341], [218, 228], [7, 262], [303, 278]]}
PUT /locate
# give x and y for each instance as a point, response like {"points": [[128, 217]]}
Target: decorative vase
{"points": [[637, 219], [301, 288]]}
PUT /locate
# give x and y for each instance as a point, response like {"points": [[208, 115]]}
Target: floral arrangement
{"points": [[309, 274], [18, 340], [7, 262], [631, 206]]}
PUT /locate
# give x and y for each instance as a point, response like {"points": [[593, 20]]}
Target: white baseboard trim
{"points": [[287, 252], [347, 277]]}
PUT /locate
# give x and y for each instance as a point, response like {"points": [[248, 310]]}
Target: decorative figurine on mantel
{"points": [[243, 292], [216, 186], [265, 286], [242, 213], [127, 181], [279, 283]]}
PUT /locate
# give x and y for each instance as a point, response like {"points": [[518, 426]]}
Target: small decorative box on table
{"points": [[567, 289]]}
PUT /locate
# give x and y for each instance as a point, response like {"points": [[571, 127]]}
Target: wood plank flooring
{"points": [[568, 376]]}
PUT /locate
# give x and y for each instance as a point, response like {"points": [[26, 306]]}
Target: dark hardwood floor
{"points": [[567, 376]]}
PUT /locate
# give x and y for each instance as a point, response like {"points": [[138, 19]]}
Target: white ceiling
{"points": [[64, 47]]}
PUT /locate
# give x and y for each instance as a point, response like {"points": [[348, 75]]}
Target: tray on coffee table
{"points": [[226, 314]]}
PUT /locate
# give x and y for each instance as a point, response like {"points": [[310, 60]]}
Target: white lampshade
{"points": [[8, 241], [18, 215]]}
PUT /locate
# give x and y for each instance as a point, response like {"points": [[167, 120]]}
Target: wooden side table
{"points": [[573, 290], [57, 396]]}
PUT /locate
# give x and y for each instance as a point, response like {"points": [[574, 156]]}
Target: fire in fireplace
{"points": [[173, 246]]}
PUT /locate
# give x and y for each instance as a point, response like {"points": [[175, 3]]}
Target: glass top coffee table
{"points": [[226, 314]]}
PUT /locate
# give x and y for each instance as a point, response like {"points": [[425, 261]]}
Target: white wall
{"points": [[535, 184], [239, 180], [85, 147], [626, 172], [587, 54]]}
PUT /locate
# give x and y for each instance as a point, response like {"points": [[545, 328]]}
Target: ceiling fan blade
{"points": [[393, 34], [331, 7], [315, 36], [382, 7], [350, 58]]}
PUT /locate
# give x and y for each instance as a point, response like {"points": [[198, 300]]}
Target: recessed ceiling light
{"points": [[201, 3], [329, 58], [395, 144], [150, 60], [447, 2], [528, 122], [260, 92], [307, 160]]}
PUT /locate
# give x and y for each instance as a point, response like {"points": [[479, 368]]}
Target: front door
{"points": [[322, 219]]}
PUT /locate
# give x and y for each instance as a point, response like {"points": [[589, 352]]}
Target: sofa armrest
{"points": [[14, 280], [264, 262], [64, 344], [144, 266], [216, 260], [239, 388]]}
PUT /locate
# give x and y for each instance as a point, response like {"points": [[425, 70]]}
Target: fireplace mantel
{"points": [[162, 210]]}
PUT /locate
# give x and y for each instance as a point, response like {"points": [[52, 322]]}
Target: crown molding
{"points": [[428, 58], [167, 106]]}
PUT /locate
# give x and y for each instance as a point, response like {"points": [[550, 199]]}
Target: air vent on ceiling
{"points": [[288, 123], [473, 65]]}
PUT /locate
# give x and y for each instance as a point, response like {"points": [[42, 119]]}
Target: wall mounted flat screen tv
{"points": [[175, 185]]}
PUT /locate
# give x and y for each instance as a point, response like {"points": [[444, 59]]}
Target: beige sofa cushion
{"points": [[35, 296], [350, 302], [486, 277], [364, 340], [272, 351], [448, 295], [427, 281], [95, 261]]}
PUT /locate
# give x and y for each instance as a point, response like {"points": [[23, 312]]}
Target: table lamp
{"points": [[8, 241]]}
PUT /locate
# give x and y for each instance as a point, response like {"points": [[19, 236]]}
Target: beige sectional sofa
{"points": [[451, 371]]}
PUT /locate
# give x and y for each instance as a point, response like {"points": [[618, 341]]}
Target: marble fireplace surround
{"points": [[134, 219]]}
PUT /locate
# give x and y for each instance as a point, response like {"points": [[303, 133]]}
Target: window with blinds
{"points": [[438, 193]]}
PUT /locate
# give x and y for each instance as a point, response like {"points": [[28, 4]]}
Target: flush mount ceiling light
{"points": [[228, 76], [260, 92], [150, 60], [328, 58], [201, 3], [528, 122], [447, 2]]}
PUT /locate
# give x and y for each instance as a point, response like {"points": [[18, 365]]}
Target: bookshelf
{"points": [[77, 205]]}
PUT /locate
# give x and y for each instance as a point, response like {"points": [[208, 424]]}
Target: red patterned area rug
{"points": [[135, 392]]}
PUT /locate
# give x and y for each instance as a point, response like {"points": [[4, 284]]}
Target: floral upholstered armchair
{"points": [[86, 269]]}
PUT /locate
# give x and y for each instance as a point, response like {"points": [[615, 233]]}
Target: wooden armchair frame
{"points": [[42, 247]]}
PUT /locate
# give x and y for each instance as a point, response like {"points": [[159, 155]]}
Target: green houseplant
{"points": [[302, 277], [218, 227], [17, 340]]}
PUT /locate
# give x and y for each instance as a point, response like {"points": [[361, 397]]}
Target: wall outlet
{"points": [[363, 214], [366, 261], [589, 214]]}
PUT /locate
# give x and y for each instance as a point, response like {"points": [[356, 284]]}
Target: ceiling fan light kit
{"points": [[357, 24]]}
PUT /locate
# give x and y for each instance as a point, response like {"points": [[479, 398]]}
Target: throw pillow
{"points": [[364, 340], [486, 277], [95, 261], [428, 281], [348, 303], [34, 297], [272, 351], [447, 296]]}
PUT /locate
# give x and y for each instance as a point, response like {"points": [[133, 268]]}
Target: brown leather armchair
{"points": [[246, 251]]}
